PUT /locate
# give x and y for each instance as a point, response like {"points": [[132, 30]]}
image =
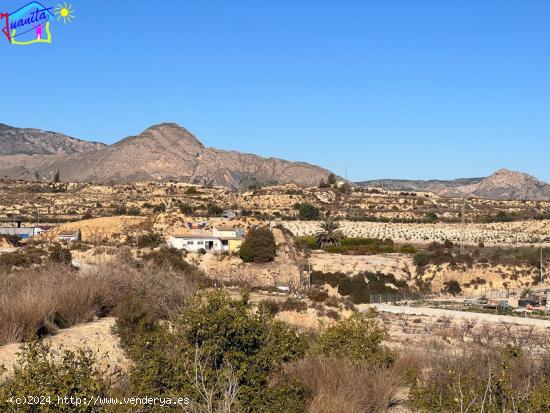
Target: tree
{"points": [[258, 246], [216, 340], [331, 180], [56, 177], [329, 234], [452, 287], [308, 212], [214, 210]]}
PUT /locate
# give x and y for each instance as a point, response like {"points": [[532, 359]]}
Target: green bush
{"points": [[159, 208], [270, 307], [186, 209], [293, 304], [258, 246], [151, 239], [37, 375], [214, 210], [191, 191], [307, 212], [218, 340], [358, 339], [452, 287]]}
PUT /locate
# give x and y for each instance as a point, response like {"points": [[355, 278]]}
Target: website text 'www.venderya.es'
{"points": [[99, 401]]}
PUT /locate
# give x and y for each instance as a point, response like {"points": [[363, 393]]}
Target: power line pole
{"points": [[463, 226], [346, 173], [541, 264]]}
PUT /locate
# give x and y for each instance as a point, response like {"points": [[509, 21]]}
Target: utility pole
{"points": [[463, 226], [346, 173], [541, 264]]}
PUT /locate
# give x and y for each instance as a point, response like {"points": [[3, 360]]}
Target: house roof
{"points": [[69, 233], [191, 235], [223, 228]]}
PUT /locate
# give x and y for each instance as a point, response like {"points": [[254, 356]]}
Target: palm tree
{"points": [[329, 234]]}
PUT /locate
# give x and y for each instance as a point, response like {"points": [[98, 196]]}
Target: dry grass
{"points": [[337, 385], [39, 301]]}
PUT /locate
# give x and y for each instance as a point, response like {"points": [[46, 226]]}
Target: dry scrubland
{"points": [[65, 201], [151, 322]]}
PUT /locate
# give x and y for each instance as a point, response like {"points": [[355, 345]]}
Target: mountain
{"points": [[36, 142], [502, 185], [162, 152]]}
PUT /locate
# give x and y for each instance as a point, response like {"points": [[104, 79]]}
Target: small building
{"points": [[194, 242], [21, 232], [69, 236], [220, 239], [229, 214]]}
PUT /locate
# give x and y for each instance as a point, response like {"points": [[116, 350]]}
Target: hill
{"points": [[502, 185], [161, 153]]}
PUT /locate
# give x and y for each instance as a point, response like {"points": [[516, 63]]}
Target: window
{"points": [[200, 242], [190, 243]]}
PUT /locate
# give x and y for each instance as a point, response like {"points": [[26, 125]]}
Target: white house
{"points": [[21, 232], [193, 242], [220, 239], [69, 236]]}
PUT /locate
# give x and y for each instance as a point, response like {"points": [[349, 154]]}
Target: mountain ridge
{"points": [[161, 152], [504, 184]]}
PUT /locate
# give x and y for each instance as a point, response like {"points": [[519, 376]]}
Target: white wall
{"points": [[194, 244]]}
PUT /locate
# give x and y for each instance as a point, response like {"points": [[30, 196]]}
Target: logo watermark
{"points": [[31, 23]]}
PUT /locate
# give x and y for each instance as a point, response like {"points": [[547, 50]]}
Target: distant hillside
{"points": [[502, 185], [162, 152], [15, 141]]}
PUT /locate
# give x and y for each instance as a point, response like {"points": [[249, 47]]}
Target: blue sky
{"points": [[399, 89]]}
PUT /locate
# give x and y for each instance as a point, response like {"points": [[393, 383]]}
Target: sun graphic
{"points": [[65, 12]]}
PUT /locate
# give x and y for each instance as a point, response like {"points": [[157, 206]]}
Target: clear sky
{"points": [[399, 89]]}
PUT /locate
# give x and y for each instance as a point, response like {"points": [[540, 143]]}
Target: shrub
{"points": [[170, 257], [151, 239], [258, 246], [60, 255], [191, 191], [407, 249], [270, 307], [218, 344], [491, 380], [20, 259], [39, 376], [214, 210], [36, 302], [421, 259], [336, 385], [452, 287], [159, 208], [317, 295], [307, 212], [186, 209], [293, 304], [358, 339]]}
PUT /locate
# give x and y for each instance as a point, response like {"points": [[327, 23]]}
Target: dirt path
{"points": [[439, 312], [96, 337]]}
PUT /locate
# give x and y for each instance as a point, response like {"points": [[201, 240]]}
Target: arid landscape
{"points": [[274, 207], [415, 258]]}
